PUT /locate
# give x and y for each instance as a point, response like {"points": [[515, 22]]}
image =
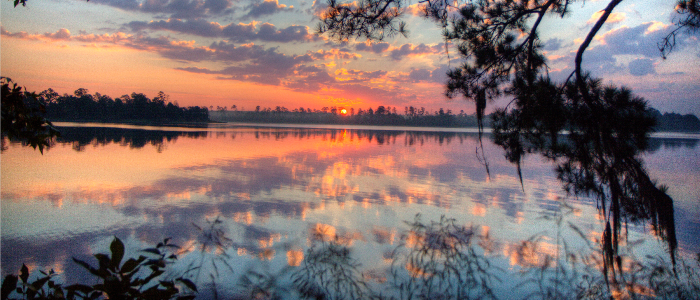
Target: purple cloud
{"points": [[553, 44], [314, 79], [261, 66], [641, 67], [373, 47], [185, 9], [237, 32], [640, 41], [437, 75], [60, 35], [267, 7]]}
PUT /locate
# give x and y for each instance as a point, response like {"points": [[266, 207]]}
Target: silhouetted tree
{"points": [[689, 12], [501, 50], [22, 117], [499, 41], [103, 108], [598, 157], [381, 110], [81, 92]]}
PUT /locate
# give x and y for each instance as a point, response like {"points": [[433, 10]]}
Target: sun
{"points": [[343, 111]]}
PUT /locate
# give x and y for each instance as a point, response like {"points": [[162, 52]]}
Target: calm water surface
{"points": [[277, 189]]}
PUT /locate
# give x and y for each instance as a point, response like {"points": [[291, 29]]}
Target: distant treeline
{"points": [[83, 106], [388, 116], [676, 122], [382, 116], [137, 107]]}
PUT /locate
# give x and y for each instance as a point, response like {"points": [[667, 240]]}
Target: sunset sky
{"points": [[249, 52]]}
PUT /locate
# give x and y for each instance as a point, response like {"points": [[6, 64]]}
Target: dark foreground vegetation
{"points": [[23, 117], [434, 260]]}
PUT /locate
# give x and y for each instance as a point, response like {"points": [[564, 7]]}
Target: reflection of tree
{"points": [[138, 138], [598, 157], [80, 137], [656, 144]]}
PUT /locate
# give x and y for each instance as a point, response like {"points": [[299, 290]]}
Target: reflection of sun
{"points": [[343, 111]]}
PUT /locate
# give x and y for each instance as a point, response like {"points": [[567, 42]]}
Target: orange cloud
{"points": [[295, 257], [612, 18]]}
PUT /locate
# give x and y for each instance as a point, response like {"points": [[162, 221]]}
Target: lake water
{"points": [[280, 190]]}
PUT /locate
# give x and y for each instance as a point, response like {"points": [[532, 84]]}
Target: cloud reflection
{"points": [[275, 188]]}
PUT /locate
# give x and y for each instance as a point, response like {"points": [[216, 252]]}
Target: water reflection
{"points": [[80, 137], [275, 190], [607, 131]]}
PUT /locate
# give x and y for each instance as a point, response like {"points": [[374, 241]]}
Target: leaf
{"points": [[152, 250], [168, 284], [155, 274], [117, 248], [188, 283], [8, 285], [131, 264], [85, 289], [88, 267], [37, 285], [24, 273], [104, 262]]}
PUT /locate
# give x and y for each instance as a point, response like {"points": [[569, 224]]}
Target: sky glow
{"points": [[249, 53]]}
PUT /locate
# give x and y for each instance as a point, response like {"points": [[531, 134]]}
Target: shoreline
{"points": [[224, 125]]}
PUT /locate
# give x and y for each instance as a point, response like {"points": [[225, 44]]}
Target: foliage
{"points": [[688, 19], [369, 19], [329, 272], [262, 283], [598, 157], [42, 288], [579, 272], [671, 282], [436, 260], [135, 278], [82, 106], [214, 243], [22, 117], [439, 261], [498, 41]]}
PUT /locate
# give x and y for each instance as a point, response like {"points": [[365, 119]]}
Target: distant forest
{"points": [[388, 116], [83, 106], [676, 122], [382, 116], [138, 108]]}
